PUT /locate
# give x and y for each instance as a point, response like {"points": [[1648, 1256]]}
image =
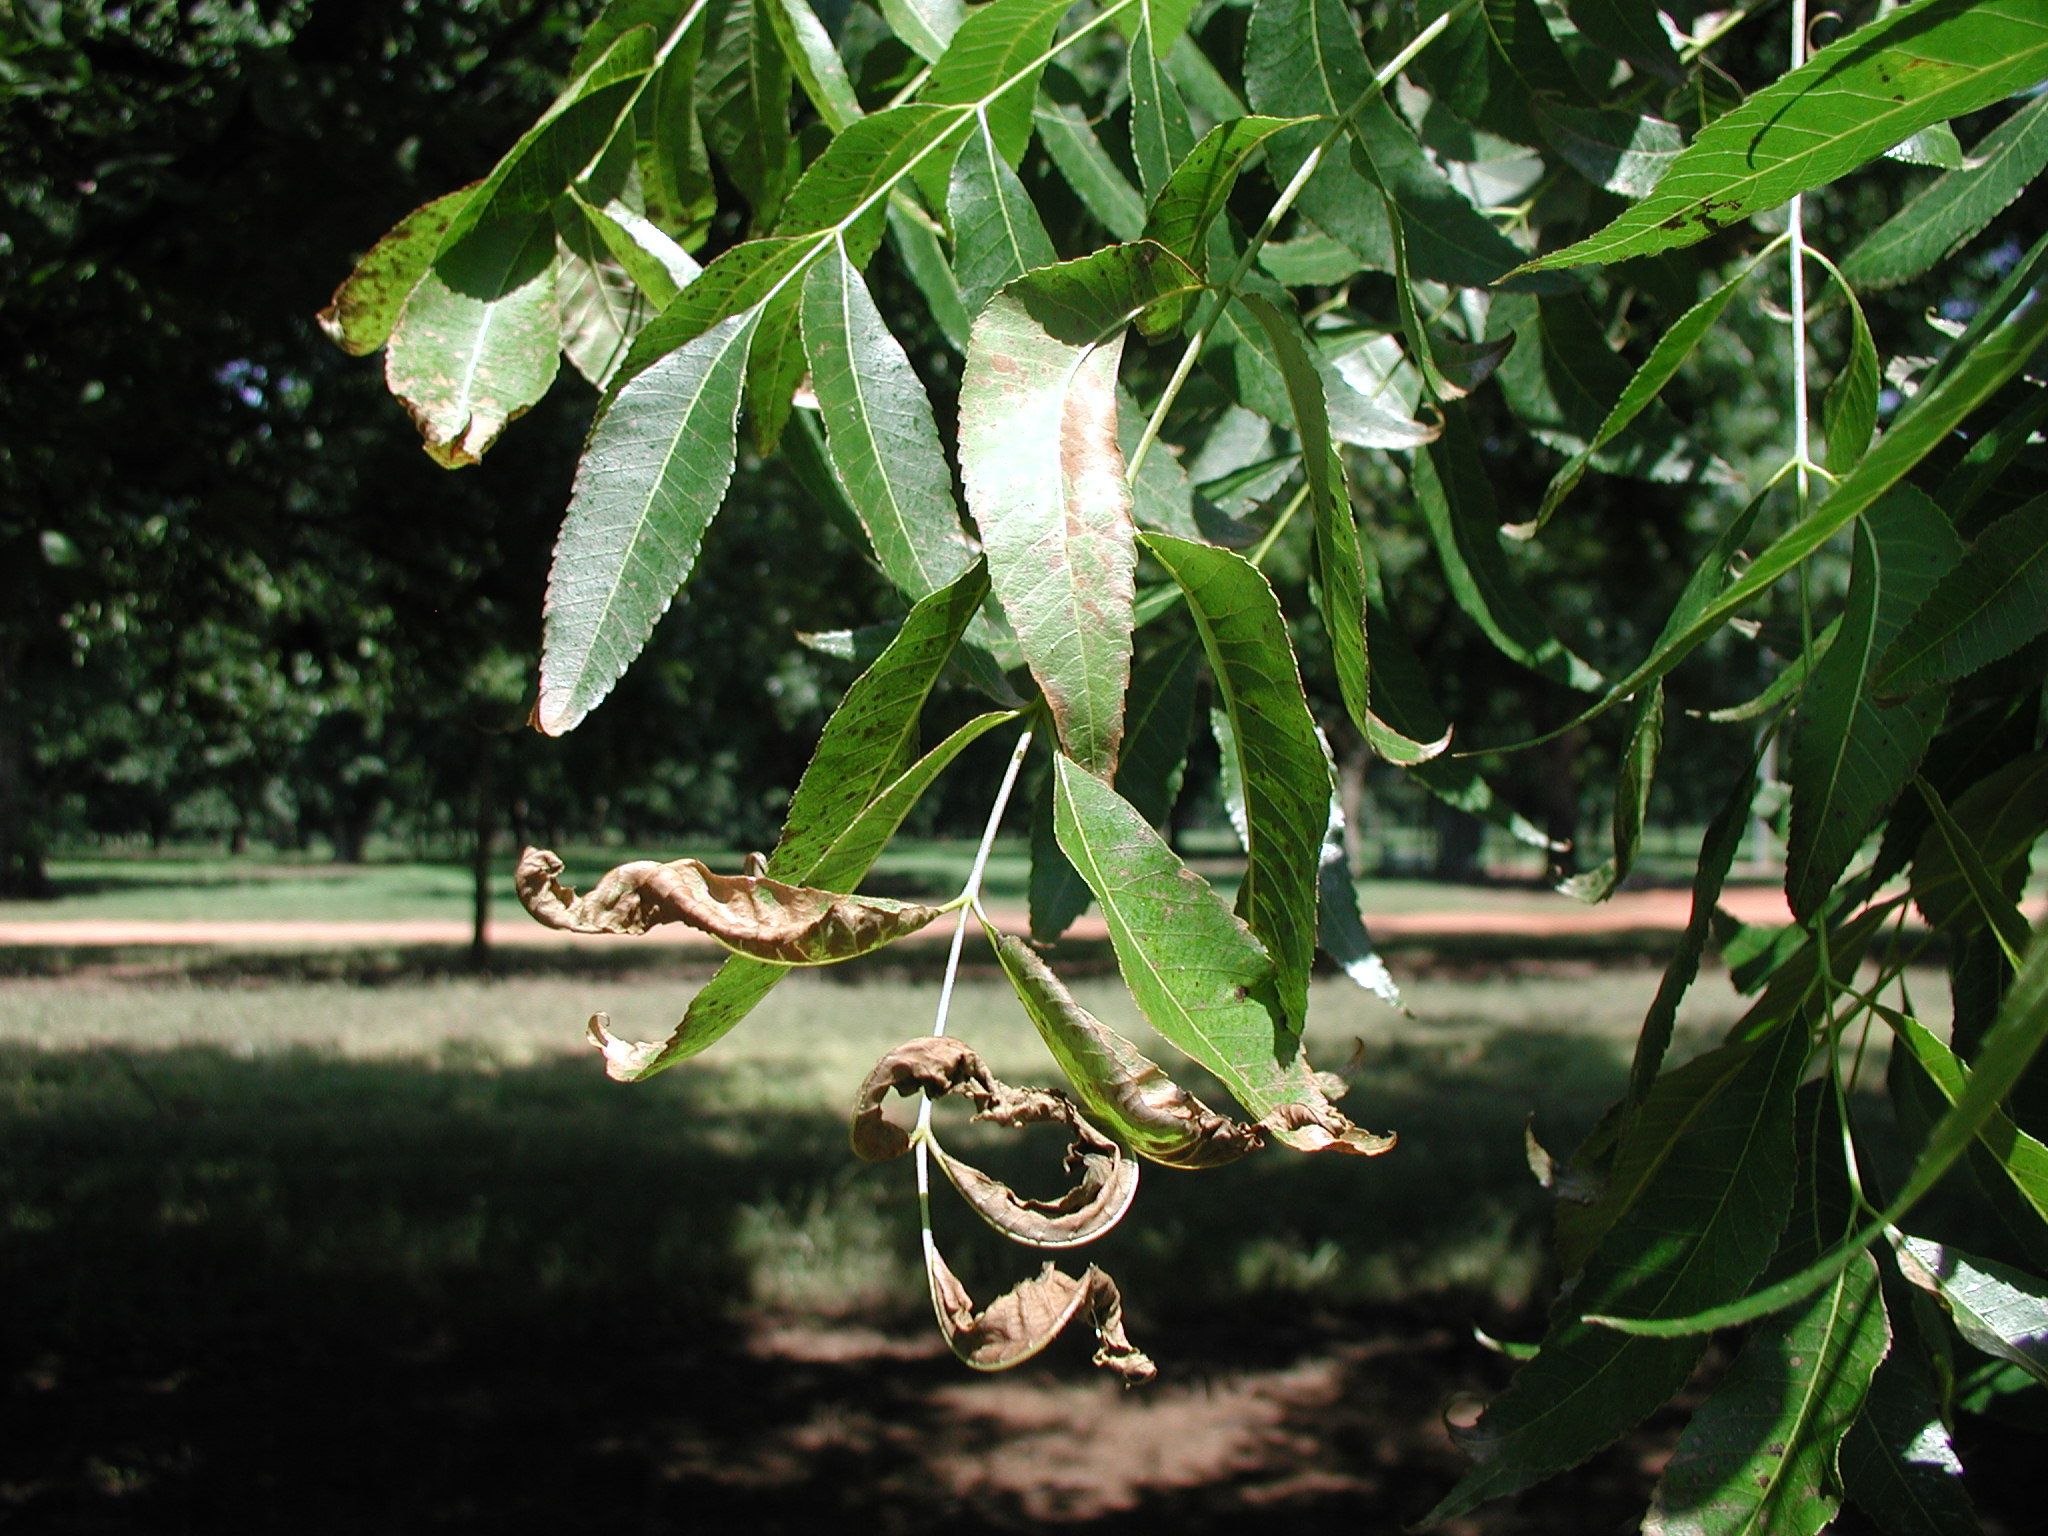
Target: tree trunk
{"points": [[1561, 801], [1351, 766], [21, 854], [484, 824]]}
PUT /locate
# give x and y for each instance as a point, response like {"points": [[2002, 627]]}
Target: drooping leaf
{"points": [[359, 317], [751, 915], [1953, 210], [1117, 1086], [1850, 753], [476, 342], [938, 1065], [1160, 134], [1071, 143], [1278, 756], [1849, 411], [1922, 63], [1631, 801], [1201, 978], [2000, 1310], [658, 266], [743, 89], [1994, 601], [1702, 1229], [1045, 477], [1899, 1465], [1160, 719], [1947, 846], [1030, 1315], [2000, 818], [1456, 498], [2023, 1159], [997, 234], [1622, 152], [599, 306], [652, 477], [879, 432], [815, 62]]}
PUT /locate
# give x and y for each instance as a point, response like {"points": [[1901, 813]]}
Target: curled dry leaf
{"points": [[751, 914], [1105, 1180], [1118, 1085], [1027, 1317]]}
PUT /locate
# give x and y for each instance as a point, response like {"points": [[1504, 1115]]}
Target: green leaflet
{"points": [[477, 342], [997, 234], [1648, 381], [563, 140], [923, 257], [1279, 759], [1920, 64], [995, 61], [1849, 410], [1202, 980], [1850, 754], [669, 154], [1118, 1088], [658, 266], [1631, 801], [1457, 503], [1159, 720], [879, 433], [925, 26], [743, 89], [1618, 151], [1187, 205], [2001, 1310], [1493, 61], [848, 804], [1160, 135], [2024, 1159], [1244, 354], [1070, 141], [2008, 1048], [1951, 211], [1628, 28], [1992, 602], [1717, 857], [599, 307], [1999, 818], [1985, 365], [1947, 847], [843, 190], [1898, 1464], [652, 477], [1758, 1458], [1045, 477], [1703, 1227], [815, 61], [1982, 468], [359, 317]]}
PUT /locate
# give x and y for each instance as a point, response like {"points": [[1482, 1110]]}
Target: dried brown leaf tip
{"points": [[1027, 1317], [1116, 1083], [750, 914], [1105, 1181]]}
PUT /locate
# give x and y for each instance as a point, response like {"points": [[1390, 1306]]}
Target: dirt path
{"points": [[1629, 912]]}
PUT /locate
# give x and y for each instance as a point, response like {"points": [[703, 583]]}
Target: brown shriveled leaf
{"points": [[1027, 1317], [749, 914], [1117, 1084], [1105, 1180]]}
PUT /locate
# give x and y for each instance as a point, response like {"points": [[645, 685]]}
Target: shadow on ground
{"points": [[296, 1293]]}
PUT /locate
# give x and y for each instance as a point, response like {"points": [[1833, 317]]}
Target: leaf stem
{"points": [[1225, 290], [970, 893], [1795, 232]]}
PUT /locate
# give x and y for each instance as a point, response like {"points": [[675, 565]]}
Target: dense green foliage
{"points": [[1508, 296]]}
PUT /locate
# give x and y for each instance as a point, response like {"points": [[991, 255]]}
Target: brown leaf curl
{"points": [[1027, 1317]]}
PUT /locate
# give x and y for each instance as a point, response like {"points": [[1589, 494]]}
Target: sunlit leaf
{"points": [[997, 234], [599, 306], [879, 432], [1951, 211], [1849, 411], [1618, 151], [2001, 1310], [1160, 135], [925, 26], [814, 60], [359, 317], [1117, 1086], [1850, 753], [476, 343], [652, 477], [1045, 478], [1923, 63], [1277, 756], [1201, 978], [997, 57]]}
